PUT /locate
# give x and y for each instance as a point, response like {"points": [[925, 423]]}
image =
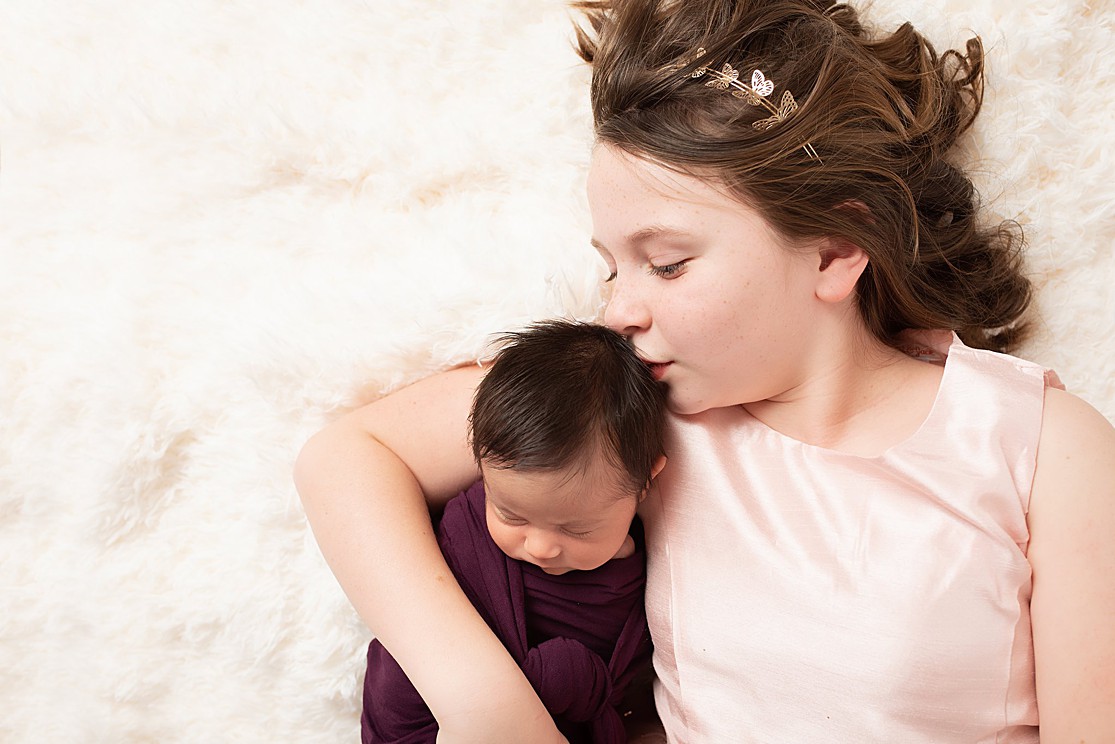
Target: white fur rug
{"points": [[223, 223]]}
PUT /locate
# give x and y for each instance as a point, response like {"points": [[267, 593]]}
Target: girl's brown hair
{"points": [[881, 113]]}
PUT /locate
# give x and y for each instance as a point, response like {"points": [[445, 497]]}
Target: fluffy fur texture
{"points": [[224, 223]]}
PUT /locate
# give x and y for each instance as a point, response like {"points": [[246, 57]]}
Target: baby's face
{"points": [[559, 520]]}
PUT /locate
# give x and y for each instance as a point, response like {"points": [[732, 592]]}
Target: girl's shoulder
{"points": [[1077, 442]]}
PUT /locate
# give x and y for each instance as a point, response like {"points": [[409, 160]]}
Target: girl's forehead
{"points": [[611, 167], [632, 199], [623, 185]]}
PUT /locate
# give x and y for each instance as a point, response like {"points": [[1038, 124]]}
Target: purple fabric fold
{"points": [[579, 637]]}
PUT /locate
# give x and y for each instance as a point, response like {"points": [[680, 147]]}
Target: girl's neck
{"points": [[856, 395]]}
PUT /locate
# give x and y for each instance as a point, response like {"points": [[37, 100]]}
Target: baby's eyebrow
{"points": [[503, 509], [581, 523]]}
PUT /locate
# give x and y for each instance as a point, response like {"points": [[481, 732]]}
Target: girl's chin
{"points": [[684, 405]]}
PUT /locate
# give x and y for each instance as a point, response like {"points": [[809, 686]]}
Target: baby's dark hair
{"points": [[880, 114], [561, 394]]}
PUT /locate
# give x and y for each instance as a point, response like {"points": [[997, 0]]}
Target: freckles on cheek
{"points": [[712, 314]]}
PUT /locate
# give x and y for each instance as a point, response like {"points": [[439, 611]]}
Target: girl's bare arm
{"points": [[1072, 520], [365, 482]]}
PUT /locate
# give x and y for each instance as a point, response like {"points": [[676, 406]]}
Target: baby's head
{"points": [[567, 428]]}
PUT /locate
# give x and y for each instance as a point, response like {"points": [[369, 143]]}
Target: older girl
{"points": [[874, 525]]}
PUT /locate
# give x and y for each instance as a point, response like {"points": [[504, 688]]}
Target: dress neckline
{"points": [[935, 350]]}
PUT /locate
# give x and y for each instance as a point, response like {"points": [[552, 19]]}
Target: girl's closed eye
{"points": [[669, 270], [608, 263], [581, 535]]}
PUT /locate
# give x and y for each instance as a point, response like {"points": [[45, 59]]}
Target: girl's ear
{"points": [[841, 265]]}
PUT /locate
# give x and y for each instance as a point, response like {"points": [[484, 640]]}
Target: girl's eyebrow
{"points": [[645, 234]]}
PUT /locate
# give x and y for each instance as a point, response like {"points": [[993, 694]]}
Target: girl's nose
{"points": [[626, 312]]}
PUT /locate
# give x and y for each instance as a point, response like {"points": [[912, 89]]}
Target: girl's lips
{"points": [[658, 369]]}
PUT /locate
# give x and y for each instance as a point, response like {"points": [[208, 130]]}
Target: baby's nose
{"points": [[542, 546]]}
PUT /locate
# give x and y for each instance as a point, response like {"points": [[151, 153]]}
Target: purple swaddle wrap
{"points": [[579, 637]]}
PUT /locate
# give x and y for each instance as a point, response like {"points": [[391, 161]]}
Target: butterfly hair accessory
{"points": [[756, 94]]}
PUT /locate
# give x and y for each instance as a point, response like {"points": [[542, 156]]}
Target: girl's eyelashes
{"points": [[669, 270], [581, 535], [607, 262]]}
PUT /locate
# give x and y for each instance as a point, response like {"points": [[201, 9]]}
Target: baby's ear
{"points": [[841, 265], [655, 469]]}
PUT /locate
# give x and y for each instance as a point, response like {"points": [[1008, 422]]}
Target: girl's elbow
{"points": [[312, 460]]}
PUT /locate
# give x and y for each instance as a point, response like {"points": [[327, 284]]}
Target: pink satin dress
{"points": [[798, 594]]}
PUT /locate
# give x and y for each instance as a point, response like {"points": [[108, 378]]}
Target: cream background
{"points": [[224, 223]]}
